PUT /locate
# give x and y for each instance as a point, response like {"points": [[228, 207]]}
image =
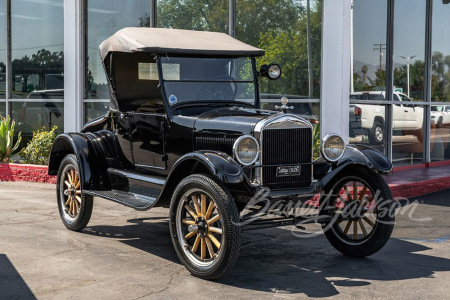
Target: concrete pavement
{"points": [[125, 254]]}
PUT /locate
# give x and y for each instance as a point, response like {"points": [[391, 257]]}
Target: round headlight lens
{"points": [[246, 150], [333, 147], [274, 71]]}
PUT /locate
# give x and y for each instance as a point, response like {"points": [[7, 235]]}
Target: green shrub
{"points": [[316, 142], [38, 149], [7, 146]]}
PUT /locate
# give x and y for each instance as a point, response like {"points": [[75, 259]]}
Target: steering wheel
{"points": [[219, 90]]}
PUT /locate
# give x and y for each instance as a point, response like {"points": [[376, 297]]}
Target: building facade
{"points": [[376, 72]]}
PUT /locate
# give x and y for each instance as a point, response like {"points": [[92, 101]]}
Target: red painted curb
{"points": [[419, 188], [22, 172]]}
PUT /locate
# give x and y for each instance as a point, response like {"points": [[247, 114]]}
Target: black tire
{"points": [[230, 237], [376, 134], [81, 219], [381, 232]]}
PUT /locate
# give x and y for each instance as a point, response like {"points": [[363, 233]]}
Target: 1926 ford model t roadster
{"points": [[185, 131]]}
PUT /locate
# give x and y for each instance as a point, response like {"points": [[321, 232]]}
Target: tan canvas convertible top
{"points": [[177, 41]]}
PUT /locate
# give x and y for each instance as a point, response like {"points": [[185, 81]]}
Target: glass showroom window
{"points": [[368, 121], [285, 40], [192, 15], [37, 33], [104, 18], [2, 57], [440, 83]]}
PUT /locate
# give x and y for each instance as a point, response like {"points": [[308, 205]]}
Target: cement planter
{"points": [[23, 172]]}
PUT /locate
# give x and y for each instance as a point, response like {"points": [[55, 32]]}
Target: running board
{"points": [[130, 199]]}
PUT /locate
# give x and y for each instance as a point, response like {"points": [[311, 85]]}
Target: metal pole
{"points": [[8, 56], [308, 37], [427, 88], [407, 75], [352, 84], [153, 13], [389, 76], [232, 18]]}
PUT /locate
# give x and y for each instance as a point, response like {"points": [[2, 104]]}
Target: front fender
{"points": [[88, 163], [358, 155], [219, 164]]}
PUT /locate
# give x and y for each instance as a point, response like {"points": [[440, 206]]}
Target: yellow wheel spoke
{"points": [[362, 227], [67, 183], [347, 227], [71, 207], [369, 221], [210, 210], [188, 222], [203, 203], [68, 201], [355, 230], [79, 199], [203, 249], [78, 185], [213, 219], [210, 247], [215, 230], [196, 243], [189, 235], [78, 192], [197, 208], [190, 211], [76, 208], [355, 189], [214, 240], [69, 176], [363, 192]]}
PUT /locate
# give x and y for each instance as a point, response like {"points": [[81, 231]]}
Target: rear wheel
{"points": [[376, 135], [204, 226], [75, 207], [363, 216]]}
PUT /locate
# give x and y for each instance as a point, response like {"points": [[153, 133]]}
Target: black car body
{"points": [[185, 113]]}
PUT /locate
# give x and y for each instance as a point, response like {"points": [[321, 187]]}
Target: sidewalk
{"points": [[413, 182]]}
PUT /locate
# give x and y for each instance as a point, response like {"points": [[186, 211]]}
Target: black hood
{"points": [[236, 120]]}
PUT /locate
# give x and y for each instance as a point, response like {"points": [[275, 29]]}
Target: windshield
{"points": [[208, 79]]}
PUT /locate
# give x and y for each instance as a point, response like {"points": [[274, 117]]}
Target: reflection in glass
{"points": [[368, 122], [369, 45], [37, 46], [440, 132], [281, 27], [407, 141], [192, 15], [94, 110], [31, 116], [2, 109], [2, 51], [409, 48], [440, 83], [104, 18]]}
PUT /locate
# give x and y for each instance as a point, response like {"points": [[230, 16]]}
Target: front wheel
{"points": [[75, 207], [363, 213], [204, 226]]}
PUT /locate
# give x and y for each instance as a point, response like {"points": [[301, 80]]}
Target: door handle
{"points": [[406, 110]]}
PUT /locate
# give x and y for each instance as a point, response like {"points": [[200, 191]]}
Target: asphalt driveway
{"points": [[125, 254]]}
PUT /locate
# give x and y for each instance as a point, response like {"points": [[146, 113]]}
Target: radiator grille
{"points": [[222, 144], [286, 146]]}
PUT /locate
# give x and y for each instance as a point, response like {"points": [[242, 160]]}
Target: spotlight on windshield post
{"points": [[272, 71]]}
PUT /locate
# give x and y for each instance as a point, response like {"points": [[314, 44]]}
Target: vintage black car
{"points": [[185, 132]]}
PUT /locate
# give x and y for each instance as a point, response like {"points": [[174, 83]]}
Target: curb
{"points": [[23, 172], [419, 188]]}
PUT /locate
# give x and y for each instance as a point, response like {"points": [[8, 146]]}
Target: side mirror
{"points": [[272, 71]]}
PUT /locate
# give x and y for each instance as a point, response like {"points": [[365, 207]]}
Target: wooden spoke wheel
{"points": [[72, 192], [201, 227], [361, 207], [204, 225], [75, 207]]}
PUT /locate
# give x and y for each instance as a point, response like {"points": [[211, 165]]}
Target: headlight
{"points": [[332, 147], [246, 150]]}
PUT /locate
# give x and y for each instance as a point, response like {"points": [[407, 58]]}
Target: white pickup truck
{"points": [[440, 115], [370, 118]]}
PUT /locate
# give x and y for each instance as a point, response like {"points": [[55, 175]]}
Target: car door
{"points": [[147, 140], [398, 115], [413, 115], [446, 120]]}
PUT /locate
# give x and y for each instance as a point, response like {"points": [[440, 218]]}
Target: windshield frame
{"points": [[173, 107]]}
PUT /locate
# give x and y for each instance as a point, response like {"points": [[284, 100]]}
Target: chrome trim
{"points": [[235, 145], [257, 133], [139, 177], [322, 146]]}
